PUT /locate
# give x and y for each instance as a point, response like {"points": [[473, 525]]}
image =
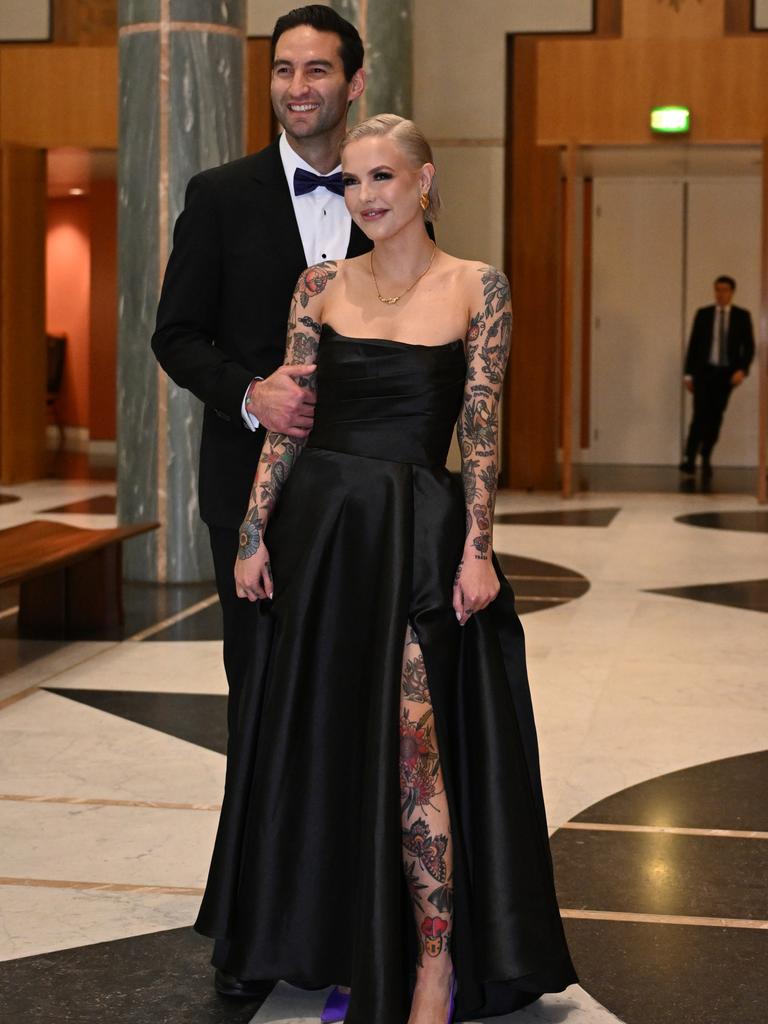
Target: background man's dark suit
{"points": [[712, 384], [237, 254]]}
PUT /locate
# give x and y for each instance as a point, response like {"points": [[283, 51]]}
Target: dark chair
{"points": [[57, 347]]}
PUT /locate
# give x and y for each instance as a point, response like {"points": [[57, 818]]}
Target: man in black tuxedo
{"points": [[719, 354], [247, 231]]}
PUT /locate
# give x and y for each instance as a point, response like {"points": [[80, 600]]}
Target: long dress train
{"points": [[306, 881]]}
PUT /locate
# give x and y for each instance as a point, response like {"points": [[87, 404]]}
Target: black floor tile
{"points": [[561, 517], [162, 978], [16, 653], [660, 873], [515, 566], [564, 588], [541, 585], [751, 595], [146, 604], [726, 794], [203, 625], [199, 718], [672, 974], [526, 606], [662, 479], [751, 520], [100, 504]]}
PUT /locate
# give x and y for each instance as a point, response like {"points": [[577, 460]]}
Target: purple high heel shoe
{"points": [[336, 1006]]}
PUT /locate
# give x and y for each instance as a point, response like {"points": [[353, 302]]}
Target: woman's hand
{"points": [[475, 586], [253, 574]]}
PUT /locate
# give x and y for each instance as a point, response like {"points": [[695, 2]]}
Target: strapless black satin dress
{"points": [[306, 882]]}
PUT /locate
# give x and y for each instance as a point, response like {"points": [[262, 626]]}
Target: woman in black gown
{"points": [[383, 821]]}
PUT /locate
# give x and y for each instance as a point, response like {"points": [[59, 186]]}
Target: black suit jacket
{"points": [[741, 342], [221, 321]]}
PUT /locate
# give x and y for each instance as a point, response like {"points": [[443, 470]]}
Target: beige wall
{"points": [[460, 102], [261, 15], [24, 19]]}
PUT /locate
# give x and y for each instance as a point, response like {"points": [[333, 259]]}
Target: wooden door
{"points": [[22, 313]]}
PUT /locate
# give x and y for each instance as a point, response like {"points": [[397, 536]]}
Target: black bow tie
{"points": [[306, 181]]}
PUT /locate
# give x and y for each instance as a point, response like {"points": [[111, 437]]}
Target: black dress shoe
{"points": [[687, 467], [228, 985], [706, 470]]}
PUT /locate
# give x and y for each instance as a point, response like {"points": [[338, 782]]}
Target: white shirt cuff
{"points": [[248, 418]]}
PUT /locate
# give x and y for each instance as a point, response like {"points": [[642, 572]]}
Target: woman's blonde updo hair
{"points": [[409, 138]]}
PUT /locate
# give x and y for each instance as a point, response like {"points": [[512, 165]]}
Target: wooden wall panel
{"points": [[259, 117], [762, 348], [22, 314], [59, 96], [532, 260], [85, 22], [649, 19], [600, 91]]}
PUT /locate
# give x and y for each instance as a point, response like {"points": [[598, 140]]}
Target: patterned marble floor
{"points": [[648, 671]]}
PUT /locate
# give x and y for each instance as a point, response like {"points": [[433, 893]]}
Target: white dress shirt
{"points": [[324, 226], [714, 351], [714, 347]]}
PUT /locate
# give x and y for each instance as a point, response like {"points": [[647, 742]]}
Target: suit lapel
{"points": [[277, 206], [358, 242]]}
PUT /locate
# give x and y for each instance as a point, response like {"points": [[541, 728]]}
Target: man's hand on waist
{"points": [[280, 404]]}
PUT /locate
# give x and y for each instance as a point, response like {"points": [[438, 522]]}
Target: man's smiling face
{"points": [[310, 93]]}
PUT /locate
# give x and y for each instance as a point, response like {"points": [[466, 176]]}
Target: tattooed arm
{"points": [[487, 348], [253, 573]]}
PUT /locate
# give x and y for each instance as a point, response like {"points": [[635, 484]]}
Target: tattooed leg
{"points": [[427, 847]]}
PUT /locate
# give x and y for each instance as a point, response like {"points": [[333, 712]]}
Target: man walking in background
{"points": [[719, 354]]}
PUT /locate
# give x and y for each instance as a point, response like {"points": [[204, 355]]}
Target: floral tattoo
{"points": [[487, 345], [281, 451]]}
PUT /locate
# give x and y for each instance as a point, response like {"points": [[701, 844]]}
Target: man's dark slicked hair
{"points": [[725, 279], [325, 19]]}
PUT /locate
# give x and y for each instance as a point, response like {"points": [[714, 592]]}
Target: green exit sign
{"points": [[670, 120]]}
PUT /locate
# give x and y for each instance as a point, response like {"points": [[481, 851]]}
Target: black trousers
{"points": [[711, 390], [239, 618]]}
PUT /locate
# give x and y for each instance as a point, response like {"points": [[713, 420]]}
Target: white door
{"points": [[724, 238], [637, 335]]}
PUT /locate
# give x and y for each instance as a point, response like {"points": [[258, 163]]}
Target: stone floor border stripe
{"points": [[96, 802], [158, 627], [56, 883], [726, 833], [703, 922], [544, 579], [7, 701]]}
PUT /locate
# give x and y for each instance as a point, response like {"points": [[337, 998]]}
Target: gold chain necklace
{"points": [[396, 298]]}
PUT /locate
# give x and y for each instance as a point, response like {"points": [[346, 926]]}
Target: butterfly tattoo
{"points": [[428, 849]]}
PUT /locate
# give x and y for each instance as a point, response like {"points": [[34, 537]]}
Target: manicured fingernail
{"points": [[271, 594], [458, 616]]}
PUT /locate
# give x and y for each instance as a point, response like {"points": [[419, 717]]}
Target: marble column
{"points": [[386, 27], [181, 110]]}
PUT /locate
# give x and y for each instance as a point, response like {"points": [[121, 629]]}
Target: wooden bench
{"points": [[70, 578]]}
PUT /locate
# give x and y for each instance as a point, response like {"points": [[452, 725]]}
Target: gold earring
{"points": [[424, 201]]}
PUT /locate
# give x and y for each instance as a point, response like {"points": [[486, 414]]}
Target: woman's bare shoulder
{"points": [[479, 282]]}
